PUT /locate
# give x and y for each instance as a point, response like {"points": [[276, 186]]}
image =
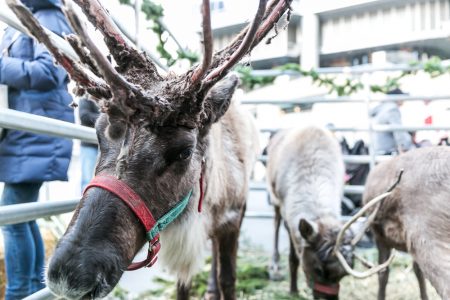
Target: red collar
{"points": [[125, 193], [137, 205], [332, 289]]}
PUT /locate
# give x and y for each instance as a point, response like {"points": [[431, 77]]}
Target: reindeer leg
{"points": [[383, 254], [228, 245], [421, 280], [228, 240], [274, 271], [212, 293], [183, 291], [293, 267]]}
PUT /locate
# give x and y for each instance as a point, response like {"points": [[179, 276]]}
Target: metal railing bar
{"points": [[364, 159], [271, 215], [357, 159], [259, 214], [19, 213], [384, 128], [339, 70], [348, 189], [33, 123], [379, 128], [18, 120], [43, 294], [346, 99], [353, 189]]}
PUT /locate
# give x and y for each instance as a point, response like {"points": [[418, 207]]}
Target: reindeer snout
{"points": [[82, 276]]}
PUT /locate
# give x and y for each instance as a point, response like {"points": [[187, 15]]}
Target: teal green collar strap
{"points": [[168, 218]]}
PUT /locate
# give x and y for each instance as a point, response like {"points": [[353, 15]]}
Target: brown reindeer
{"points": [[166, 145], [305, 174], [415, 217]]}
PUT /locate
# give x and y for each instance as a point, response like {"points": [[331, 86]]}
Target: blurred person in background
{"points": [[388, 113], [88, 112], [36, 86]]}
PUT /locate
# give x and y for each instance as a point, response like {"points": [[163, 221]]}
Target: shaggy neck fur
{"points": [[231, 153]]}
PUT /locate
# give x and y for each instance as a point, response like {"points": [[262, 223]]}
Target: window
{"points": [[422, 16], [433, 15], [217, 5]]}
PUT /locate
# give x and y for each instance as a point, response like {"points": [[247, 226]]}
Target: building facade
{"points": [[343, 32]]}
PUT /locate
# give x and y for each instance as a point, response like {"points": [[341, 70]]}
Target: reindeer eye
{"points": [[185, 153]]}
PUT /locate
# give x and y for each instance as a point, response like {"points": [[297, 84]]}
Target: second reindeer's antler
{"points": [[133, 91], [376, 202]]}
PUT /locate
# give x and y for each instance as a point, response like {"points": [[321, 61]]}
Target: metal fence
{"points": [[11, 119]]}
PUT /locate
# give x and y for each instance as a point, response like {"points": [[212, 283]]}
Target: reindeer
{"points": [[305, 175], [415, 217], [167, 145]]}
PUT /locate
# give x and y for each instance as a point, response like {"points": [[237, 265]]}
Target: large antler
{"points": [[374, 202], [200, 71], [125, 88], [243, 47], [121, 89], [94, 85], [125, 55], [134, 91], [225, 59]]}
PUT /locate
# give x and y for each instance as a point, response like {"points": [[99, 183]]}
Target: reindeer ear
{"points": [[308, 230], [219, 97]]}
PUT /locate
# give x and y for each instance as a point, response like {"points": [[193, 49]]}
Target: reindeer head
{"points": [[329, 253], [152, 135], [320, 265]]}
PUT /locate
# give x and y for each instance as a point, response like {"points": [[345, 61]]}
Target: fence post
{"points": [[371, 139]]}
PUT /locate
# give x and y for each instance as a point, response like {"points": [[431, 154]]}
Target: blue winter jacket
{"points": [[37, 86]]}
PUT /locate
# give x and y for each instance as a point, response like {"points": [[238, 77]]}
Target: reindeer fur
{"points": [[416, 216], [305, 174]]}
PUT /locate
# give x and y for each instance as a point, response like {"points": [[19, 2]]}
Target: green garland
{"points": [[433, 67]]}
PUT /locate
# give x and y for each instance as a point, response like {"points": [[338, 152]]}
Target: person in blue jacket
{"points": [[36, 86]]}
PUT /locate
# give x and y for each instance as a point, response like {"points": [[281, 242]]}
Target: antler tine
{"points": [[373, 214], [120, 87], [92, 84], [340, 237], [367, 273], [244, 46], [200, 71], [275, 15], [82, 53], [376, 201], [275, 9], [125, 55], [364, 261]]}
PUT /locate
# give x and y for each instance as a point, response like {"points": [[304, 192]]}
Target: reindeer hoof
{"points": [[275, 274], [210, 296]]}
